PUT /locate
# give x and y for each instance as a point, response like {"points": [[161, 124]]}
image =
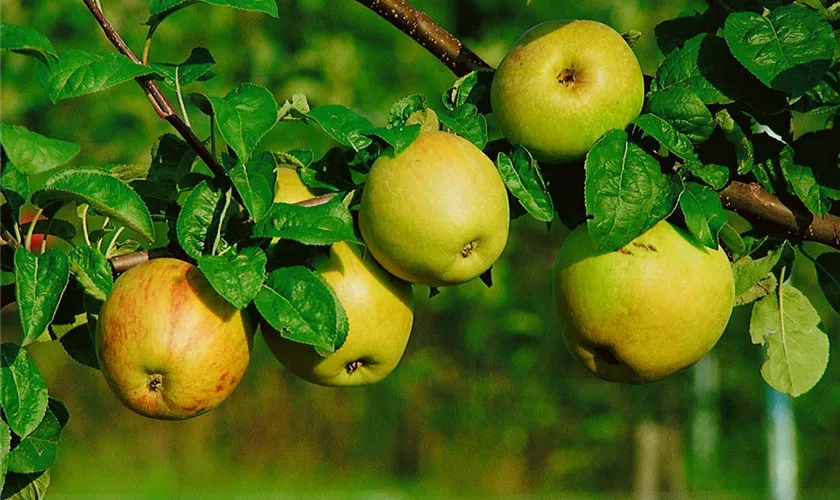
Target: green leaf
{"points": [[626, 192], [160, 9], [194, 67], [669, 137], [824, 97], [732, 240], [300, 306], [27, 41], [200, 212], [236, 277], [80, 346], [79, 340], [703, 213], [828, 275], [37, 451], [331, 173], [765, 286], [26, 486], [103, 192], [467, 122], [319, 225], [789, 50], [715, 176], [79, 73], [255, 183], [399, 137], [472, 88], [402, 110], [343, 124], [91, 269], [243, 116], [33, 153], [748, 272], [15, 185], [293, 110], [23, 390], [671, 34], [796, 349], [805, 184], [705, 67], [40, 283], [739, 140], [5, 448], [685, 111], [524, 180]]}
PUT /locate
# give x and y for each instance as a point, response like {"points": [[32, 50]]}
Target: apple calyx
{"points": [[468, 249], [353, 366], [567, 76], [155, 381]]}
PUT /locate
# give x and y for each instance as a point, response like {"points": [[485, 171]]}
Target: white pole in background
{"points": [[781, 442]]}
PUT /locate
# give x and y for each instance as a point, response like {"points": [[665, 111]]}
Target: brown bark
{"points": [[422, 29], [765, 209]]}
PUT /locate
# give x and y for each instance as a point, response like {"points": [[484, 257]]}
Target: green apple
{"points": [[563, 85], [169, 346], [437, 213], [380, 311], [645, 311], [288, 188]]}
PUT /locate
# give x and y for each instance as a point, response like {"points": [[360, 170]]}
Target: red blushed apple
{"points": [[169, 346], [26, 216]]}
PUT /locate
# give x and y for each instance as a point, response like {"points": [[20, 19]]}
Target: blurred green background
{"points": [[487, 400]]}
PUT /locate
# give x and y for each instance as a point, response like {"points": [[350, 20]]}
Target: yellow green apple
{"points": [[289, 188], [644, 311], [380, 311], [169, 346], [437, 213], [563, 85]]}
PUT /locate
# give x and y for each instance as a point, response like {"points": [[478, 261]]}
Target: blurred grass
{"points": [[486, 401]]}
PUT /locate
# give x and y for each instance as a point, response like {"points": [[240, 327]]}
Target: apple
{"points": [[288, 188], [380, 312], [645, 311], [437, 213], [563, 85], [169, 346]]}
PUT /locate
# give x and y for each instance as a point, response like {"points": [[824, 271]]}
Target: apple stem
{"points": [[46, 236], [113, 244], [181, 98], [28, 243], [218, 238], [85, 231], [104, 225]]}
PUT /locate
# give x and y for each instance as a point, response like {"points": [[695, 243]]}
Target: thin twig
{"points": [[163, 107], [422, 29]]}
